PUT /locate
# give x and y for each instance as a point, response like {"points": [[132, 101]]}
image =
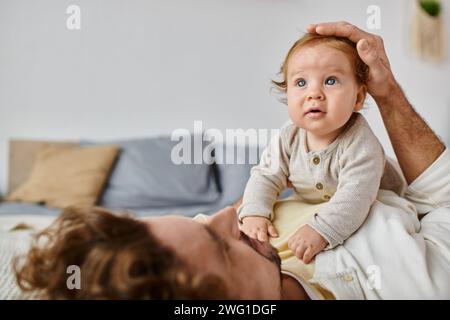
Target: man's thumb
{"points": [[366, 52]]}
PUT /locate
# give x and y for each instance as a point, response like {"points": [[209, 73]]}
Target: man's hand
{"points": [[306, 243], [258, 228], [415, 144], [371, 50]]}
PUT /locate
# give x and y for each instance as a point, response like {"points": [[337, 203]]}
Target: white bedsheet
{"points": [[15, 236]]}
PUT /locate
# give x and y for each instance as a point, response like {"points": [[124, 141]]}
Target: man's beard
{"points": [[265, 249]]}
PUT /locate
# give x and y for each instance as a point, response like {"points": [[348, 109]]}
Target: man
{"points": [[175, 257]]}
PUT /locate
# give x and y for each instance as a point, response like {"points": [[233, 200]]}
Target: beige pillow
{"points": [[64, 176]]}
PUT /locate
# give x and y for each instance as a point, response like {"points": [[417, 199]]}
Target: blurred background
{"points": [[140, 68]]}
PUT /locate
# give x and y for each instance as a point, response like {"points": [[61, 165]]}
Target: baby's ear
{"points": [[360, 97]]}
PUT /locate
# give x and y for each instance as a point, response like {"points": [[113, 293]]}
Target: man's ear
{"points": [[360, 98]]}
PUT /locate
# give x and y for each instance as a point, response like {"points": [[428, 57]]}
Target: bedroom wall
{"points": [[139, 68]]}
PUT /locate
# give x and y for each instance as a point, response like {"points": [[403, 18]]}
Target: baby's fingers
{"points": [[300, 251], [262, 235], [251, 232], [272, 231], [292, 244], [308, 255]]}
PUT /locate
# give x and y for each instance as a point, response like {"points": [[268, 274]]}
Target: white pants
{"points": [[393, 255]]}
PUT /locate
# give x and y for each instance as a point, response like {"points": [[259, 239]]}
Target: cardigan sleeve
{"points": [[361, 166], [268, 178]]}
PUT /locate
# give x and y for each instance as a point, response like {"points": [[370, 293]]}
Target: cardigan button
{"points": [[348, 277], [316, 160], [319, 186]]}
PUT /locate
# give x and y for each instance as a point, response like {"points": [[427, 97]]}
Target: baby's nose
{"points": [[315, 95]]}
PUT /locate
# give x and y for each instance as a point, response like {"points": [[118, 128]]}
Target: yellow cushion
{"points": [[290, 215], [65, 176]]}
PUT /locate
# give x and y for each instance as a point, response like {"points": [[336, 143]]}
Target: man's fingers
{"points": [[363, 45], [272, 231], [367, 52], [311, 28], [370, 48], [340, 29], [370, 55], [347, 30]]}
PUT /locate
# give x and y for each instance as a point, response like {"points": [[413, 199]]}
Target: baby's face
{"points": [[321, 78]]}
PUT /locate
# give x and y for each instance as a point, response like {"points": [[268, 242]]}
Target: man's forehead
{"points": [[173, 229], [186, 234]]}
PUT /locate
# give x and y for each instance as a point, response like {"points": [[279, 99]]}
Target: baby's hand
{"points": [[306, 243], [258, 228]]}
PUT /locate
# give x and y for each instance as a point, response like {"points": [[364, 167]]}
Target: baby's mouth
{"points": [[314, 113], [313, 110]]}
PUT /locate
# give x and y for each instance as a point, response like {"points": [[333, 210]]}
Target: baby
{"points": [[328, 153]]}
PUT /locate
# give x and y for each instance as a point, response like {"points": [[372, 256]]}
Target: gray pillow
{"points": [[145, 177], [232, 178]]}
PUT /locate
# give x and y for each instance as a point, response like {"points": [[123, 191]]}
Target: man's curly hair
{"points": [[118, 256]]}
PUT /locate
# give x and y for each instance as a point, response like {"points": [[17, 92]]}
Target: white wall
{"points": [[137, 68]]}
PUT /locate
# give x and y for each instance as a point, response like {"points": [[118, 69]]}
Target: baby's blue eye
{"points": [[301, 83], [330, 81]]}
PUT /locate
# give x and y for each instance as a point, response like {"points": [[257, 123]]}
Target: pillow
{"points": [[144, 176], [64, 176], [234, 177]]}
